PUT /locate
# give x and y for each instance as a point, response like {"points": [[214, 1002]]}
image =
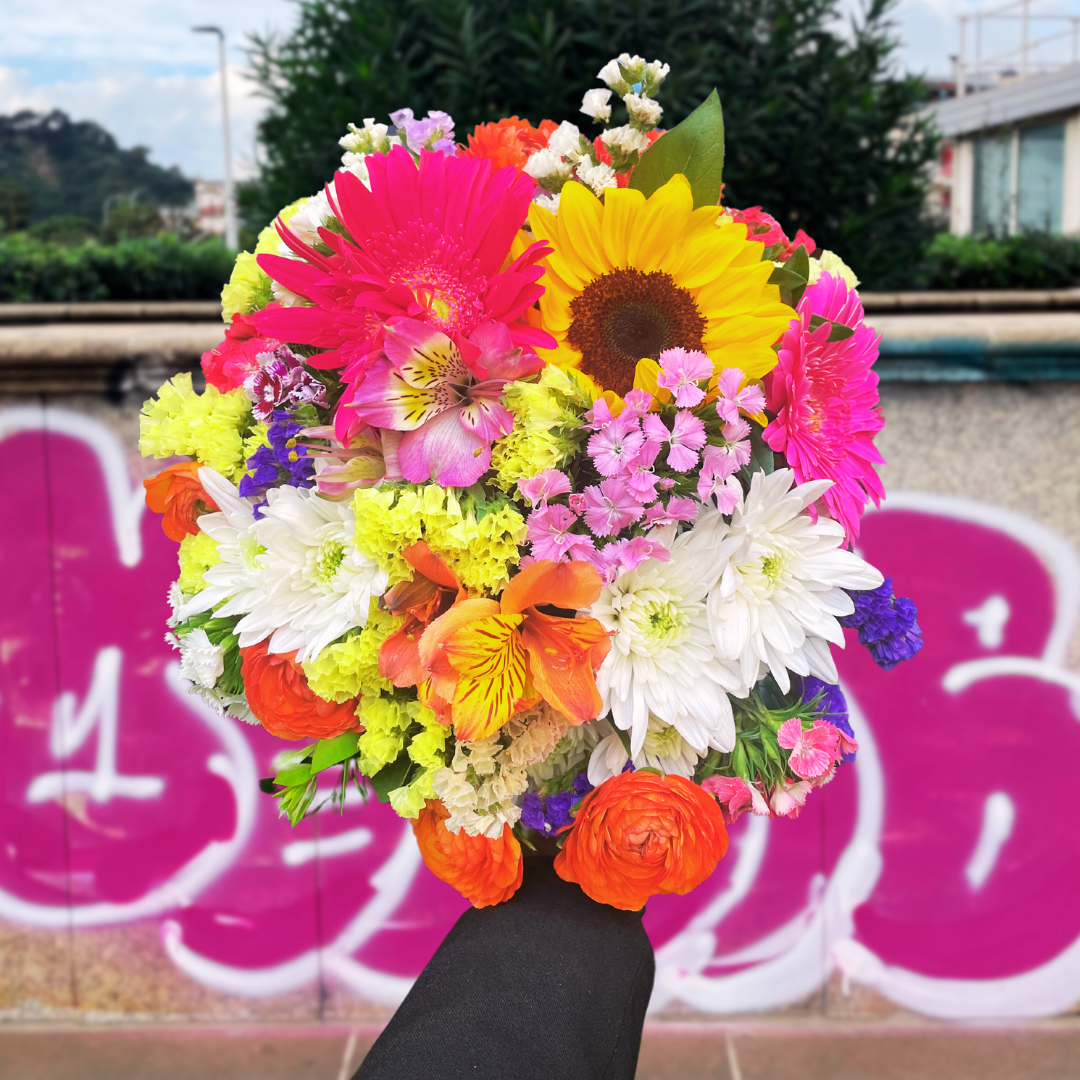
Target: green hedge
{"points": [[147, 268], [1025, 261]]}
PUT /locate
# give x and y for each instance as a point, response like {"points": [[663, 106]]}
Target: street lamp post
{"points": [[232, 234]]}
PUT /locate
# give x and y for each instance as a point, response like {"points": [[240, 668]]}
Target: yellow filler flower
{"points": [[630, 277]]}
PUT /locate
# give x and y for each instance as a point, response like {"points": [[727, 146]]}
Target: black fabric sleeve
{"points": [[548, 984]]}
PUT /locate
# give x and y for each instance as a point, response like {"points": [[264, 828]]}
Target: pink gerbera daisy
{"points": [[825, 398], [429, 243]]}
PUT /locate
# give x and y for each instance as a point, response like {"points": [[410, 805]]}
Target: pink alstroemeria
{"points": [[680, 372], [550, 536], [735, 796], [750, 399], [626, 554], [614, 446], [677, 509], [685, 439], [610, 507], [538, 489], [787, 799], [813, 750], [444, 394]]}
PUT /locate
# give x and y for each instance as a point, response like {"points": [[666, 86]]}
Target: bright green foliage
{"points": [[816, 128], [147, 268], [1028, 261]]}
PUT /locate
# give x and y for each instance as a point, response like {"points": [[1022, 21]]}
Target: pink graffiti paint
{"points": [[123, 799]]}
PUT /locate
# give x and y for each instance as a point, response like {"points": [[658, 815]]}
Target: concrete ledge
{"points": [[113, 311], [972, 300], [752, 1050]]}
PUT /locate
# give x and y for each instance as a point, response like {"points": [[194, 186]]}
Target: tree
{"points": [[74, 168], [821, 130]]}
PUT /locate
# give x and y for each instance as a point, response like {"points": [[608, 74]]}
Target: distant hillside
{"points": [[54, 166]]}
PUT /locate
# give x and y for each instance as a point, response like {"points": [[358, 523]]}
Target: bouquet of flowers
{"points": [[522, 493]]}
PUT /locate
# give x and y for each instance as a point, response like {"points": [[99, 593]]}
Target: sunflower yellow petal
{"points": [[660, 224], [621, 209]]}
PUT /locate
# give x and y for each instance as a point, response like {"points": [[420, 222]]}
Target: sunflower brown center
{"points": [[626, 315]]}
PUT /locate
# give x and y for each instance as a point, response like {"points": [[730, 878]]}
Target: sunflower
{"points": [[630, 277]]}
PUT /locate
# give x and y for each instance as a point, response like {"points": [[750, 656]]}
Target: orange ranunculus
{"points": [[484, 871], [485, 656], [277, 691], [176, 494], [432, 592], [509, 141], [639, 834]]}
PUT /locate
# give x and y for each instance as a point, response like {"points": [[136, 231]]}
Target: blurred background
{"points": [[921, 918]]}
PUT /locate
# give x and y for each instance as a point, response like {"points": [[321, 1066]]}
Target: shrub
{"points": [[1024, 261], [147, 268]]}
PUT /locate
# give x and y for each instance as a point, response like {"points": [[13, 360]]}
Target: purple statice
{"points": [[833, 706], [547, 815], [282, 380], [284, 461], [886, 624], [434, 132]]}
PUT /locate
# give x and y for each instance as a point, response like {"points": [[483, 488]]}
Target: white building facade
{"points": [[1016, 155]]}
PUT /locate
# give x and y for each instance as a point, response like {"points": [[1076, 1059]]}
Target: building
{"points": [[210, 207], [1015, 155]]}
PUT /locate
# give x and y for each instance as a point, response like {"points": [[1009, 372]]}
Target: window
{"points": [[993, 184], [1041, 176]]}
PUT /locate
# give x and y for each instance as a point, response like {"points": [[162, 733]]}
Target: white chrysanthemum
{"points": [[201, 661], [662, 657], [781, 587], [315, 584], [479, 788], [233, 583], [664, 749]]}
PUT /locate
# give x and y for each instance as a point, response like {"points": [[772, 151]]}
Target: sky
{"points": [[136, 68]]}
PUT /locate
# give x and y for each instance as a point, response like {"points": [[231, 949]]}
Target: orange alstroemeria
{"points": [[432, 591], [483, 657]]}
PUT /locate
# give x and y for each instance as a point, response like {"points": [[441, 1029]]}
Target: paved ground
{"points": [[671, 1051]]}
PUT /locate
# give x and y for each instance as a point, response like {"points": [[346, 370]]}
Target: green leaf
{"points": [[799, 264], [293, 775], [787, 279], [333, 751], [391, 776], [839, 331], [694, 148]]}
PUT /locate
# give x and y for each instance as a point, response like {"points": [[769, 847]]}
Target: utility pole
{"points": [[232, 232]]}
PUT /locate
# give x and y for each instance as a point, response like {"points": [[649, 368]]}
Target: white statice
{"points": [[372, 138], [597, 104], [201, 661], [624, 141], [780, 587], [569, 754], [565, 141], [534, 733], [314, 583], [479, 788], [286, 297], [643, 111], [315, 214], [662, 660], [547, 167], [664, 749], [549, 202], [655, 74], [597, 177], [828, 262], [233, 583], [612, 74]]}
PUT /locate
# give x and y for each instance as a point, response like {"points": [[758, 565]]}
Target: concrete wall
{"points": [[143, 876]]}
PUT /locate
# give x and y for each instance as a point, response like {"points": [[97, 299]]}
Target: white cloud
{"points": [[177, 116]]}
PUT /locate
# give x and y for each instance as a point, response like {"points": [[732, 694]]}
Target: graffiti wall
{"points": [[938, 873]]}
